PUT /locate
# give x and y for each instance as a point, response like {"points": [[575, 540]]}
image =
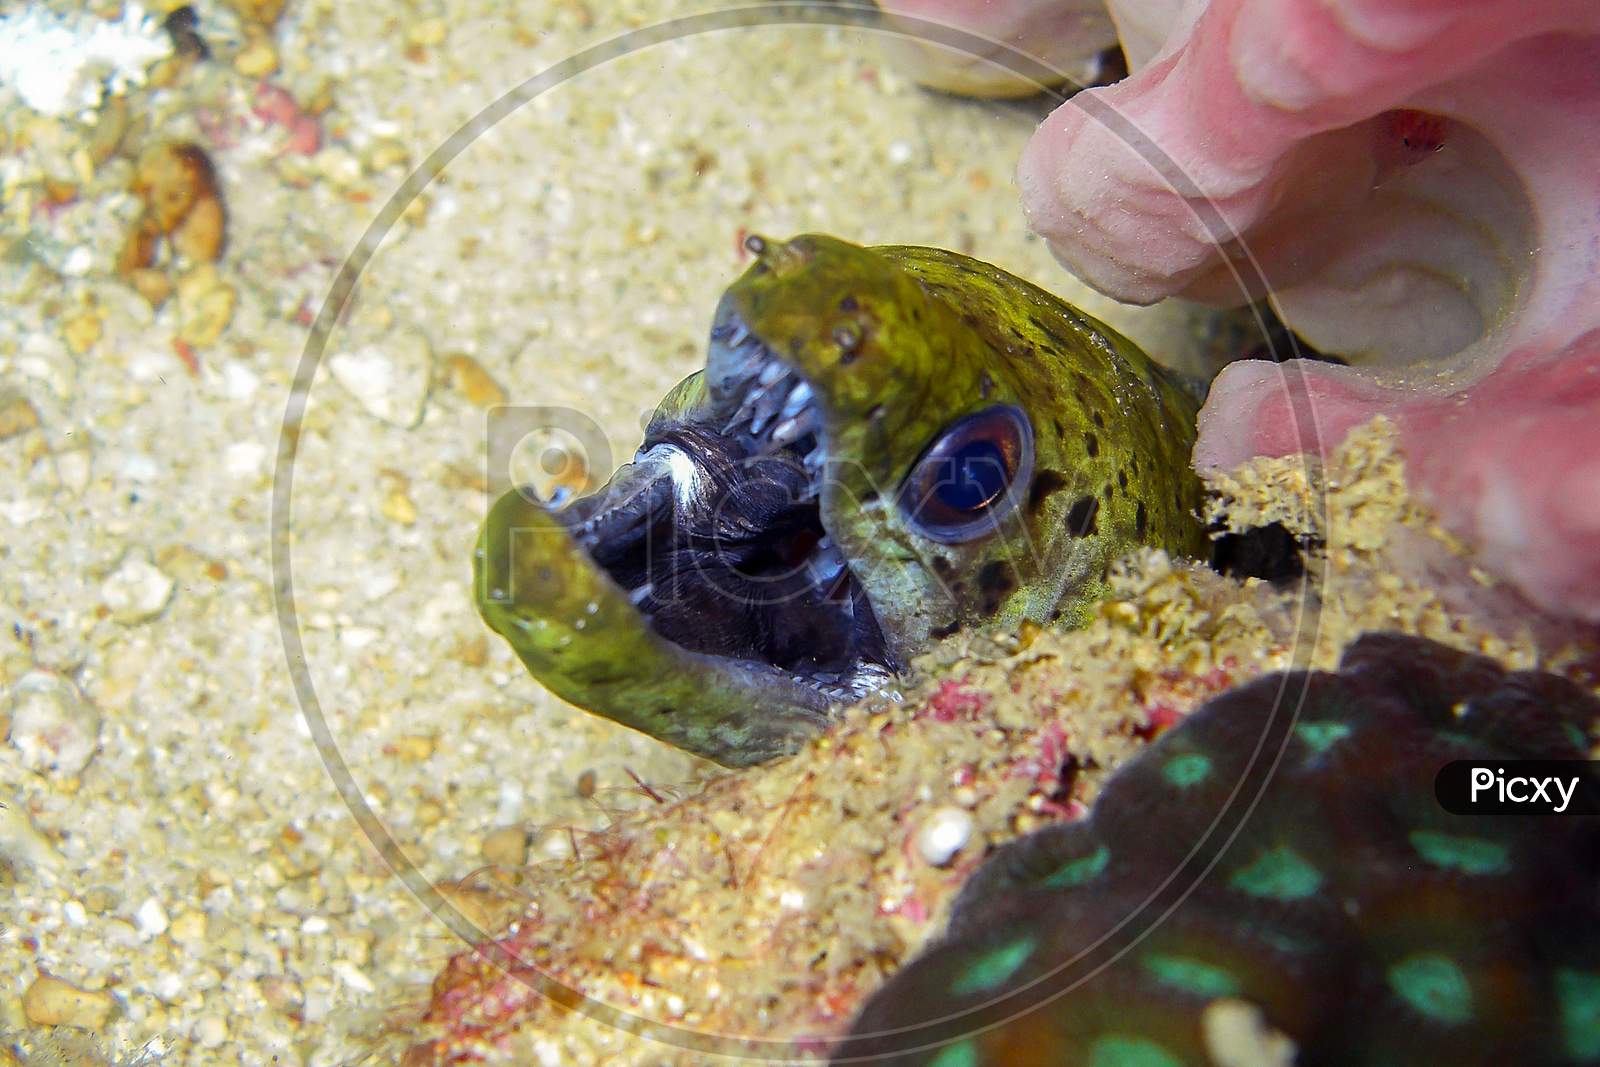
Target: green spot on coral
{"points": [[1293, 944], [991, 969], [1578, 1001], [1433, 986], [1280, 874], [1078, 871], [961, 1054], [1446, 740], [1116, 1051], [1188, 769], [1321, 736], [1470, 855], [1191, 975], [1579, 739]]}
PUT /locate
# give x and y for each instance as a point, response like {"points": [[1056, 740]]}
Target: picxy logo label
{"points": [[1519, 787]]}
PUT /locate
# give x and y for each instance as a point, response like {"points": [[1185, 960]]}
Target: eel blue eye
{"points": [[962, 486], [977, 475]]}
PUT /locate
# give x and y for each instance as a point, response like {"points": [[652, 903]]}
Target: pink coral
{"points": [[1413, 183], [1295, 121], [1511, 463]]}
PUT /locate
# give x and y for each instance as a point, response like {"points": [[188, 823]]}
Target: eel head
{"points": [[886, 445]]}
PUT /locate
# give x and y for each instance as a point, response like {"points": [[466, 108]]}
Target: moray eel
{"points": [[886, 445]]}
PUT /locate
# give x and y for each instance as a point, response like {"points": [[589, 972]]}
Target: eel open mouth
{"points": [[715, 531], [697, 596]]}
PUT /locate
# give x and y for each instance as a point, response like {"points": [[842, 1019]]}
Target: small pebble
{"points": [[261, 12], [389, 380], [413, 748], [1237, 1035], [100, 900], [244, 459], [506, 847], [17, 416], [398, 507], [82, 332], [473, 651], [139, 467], [74, 464], [467, 377], [943, 834], [555, 843], [137, 590], [256, 59], [151, 918], [211, 1031], [78, 263], [178, 186], [22, 845], [427, 32], [483, 908], [56, 730], [352, 976], [50, 1001], [205, 305], [189, 928], [282, 993], [239, 382]]}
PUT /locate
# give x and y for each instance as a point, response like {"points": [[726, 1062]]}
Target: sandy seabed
{"points": [[182, 879]]}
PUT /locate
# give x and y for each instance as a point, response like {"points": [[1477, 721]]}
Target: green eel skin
{"points": [[896, 346]]}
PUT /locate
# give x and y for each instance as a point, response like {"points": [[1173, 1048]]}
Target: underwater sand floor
{"points": [[175, 848]]}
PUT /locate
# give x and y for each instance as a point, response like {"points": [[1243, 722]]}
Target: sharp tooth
{"points": [[771, 373], [795, 428], [799, 397], [747, 409], [765, 406], [737, 334], [786, 431], [641, 594]]}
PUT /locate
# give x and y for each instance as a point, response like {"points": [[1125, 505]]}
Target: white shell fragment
{"points": [[1237, 1035], [56, 730], [22, 847], [60, 64], [943, 834], [137, 590], [390, 379], [151, 918]]}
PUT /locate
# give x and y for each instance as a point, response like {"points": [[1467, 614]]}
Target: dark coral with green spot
{"points": [[1284, 848]]}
